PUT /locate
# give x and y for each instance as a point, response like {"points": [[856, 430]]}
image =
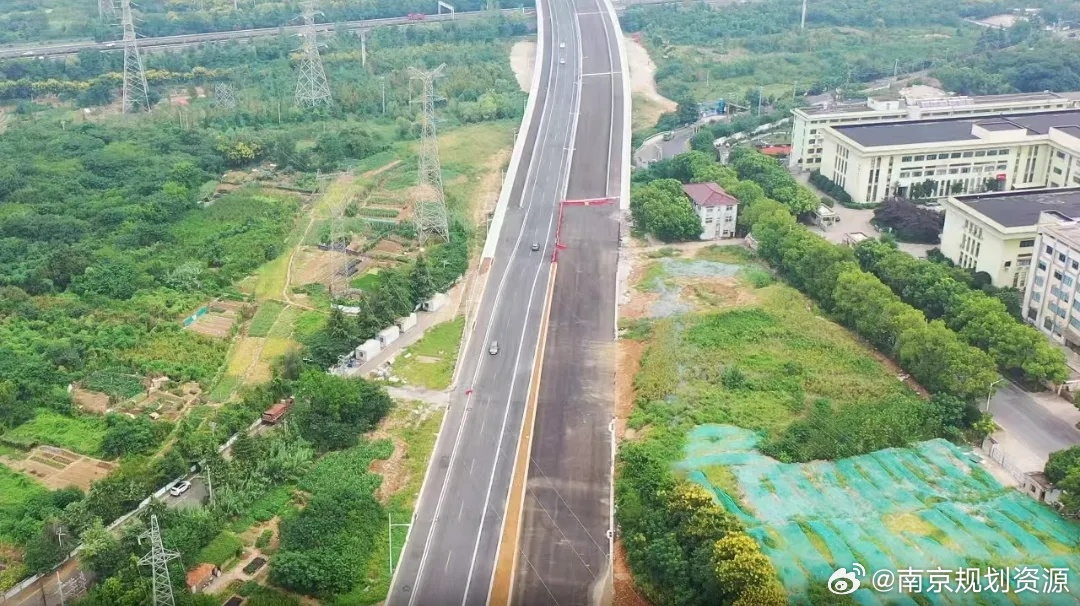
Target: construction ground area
{"points": [[717, 355], [926, 507]]}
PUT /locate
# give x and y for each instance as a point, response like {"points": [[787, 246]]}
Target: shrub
{"points": [[264, 538], [908, 222]]}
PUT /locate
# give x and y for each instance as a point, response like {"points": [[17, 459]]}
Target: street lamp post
{"points": [[989, 393]]}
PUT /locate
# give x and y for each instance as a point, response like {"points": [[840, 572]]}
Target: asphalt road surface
{"points": [[71, 48], [1032, 426], [566, 518], [449, 556]]}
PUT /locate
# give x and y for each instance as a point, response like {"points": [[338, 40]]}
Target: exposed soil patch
{"points": [[58, 468], [625, 592], [717, 293], [312, 266], [90, 401], [523, 62], [393, 472], [629, 352]]}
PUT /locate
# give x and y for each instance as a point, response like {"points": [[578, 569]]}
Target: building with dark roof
{"points": [[808, 124], [996, 232], [945, 156]]}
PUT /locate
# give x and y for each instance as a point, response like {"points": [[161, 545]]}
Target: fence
{"points": [[1034, 485]]}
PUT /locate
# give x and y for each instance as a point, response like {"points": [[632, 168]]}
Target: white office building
{"points": [[996, 233], [873, 162], [808, 124], [1050, 300], [717, 209]]}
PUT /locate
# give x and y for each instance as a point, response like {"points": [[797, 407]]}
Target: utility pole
{"points": [[135, 89], [363, 49], [382, 89], [311, 85], [209, 485], [802, 24], [158, 559], [760, 94], [794, 88], [895, 68], [429, 213]]}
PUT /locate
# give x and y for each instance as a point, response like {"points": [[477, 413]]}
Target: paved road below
{"points": [[1034, 425]]}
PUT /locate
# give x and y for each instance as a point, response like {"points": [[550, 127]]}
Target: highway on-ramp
{"points": [[449, 555]]}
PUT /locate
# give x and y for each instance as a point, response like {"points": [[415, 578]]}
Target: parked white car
{"points": [[180, 488]]}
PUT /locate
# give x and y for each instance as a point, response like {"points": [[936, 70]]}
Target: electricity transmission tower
{"points": [[106, 9], [429, 211], [311, 86], [492, 5], [159, 558], [135, 89], [224, 96]]}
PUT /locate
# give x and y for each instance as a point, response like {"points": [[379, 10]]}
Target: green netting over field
{"points": [[925, 507]]}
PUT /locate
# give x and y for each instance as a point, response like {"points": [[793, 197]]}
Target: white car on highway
{"points": [[494, 349], [562, 61], [562, 45], [180, 488]]}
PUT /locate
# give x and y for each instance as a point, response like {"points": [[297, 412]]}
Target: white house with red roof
{"points": [[717, 209]]}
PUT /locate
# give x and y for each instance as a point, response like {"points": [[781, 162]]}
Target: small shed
{"points": [[388, 335], [368, 350], [825, 216], [436, 302], [407, 322], [201, 576], [853, 238]]}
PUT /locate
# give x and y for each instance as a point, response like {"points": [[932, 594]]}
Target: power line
{"points": [[135, 89], [158, 559], [311, 85], [429, 210]]}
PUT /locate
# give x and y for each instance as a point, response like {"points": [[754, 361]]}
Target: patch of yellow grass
{"points": [[247, 348]]}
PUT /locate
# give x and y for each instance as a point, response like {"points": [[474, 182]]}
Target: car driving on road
{"points": [[494, 349], [180, 488], [535, 246]]}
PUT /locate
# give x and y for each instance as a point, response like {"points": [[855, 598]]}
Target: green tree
{"points": [[663, 209], [331, 412], [423, 285], [125, 435], [1061, 463], [101, 553]]}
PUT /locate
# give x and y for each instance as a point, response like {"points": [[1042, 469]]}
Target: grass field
{"points": [[782, 348], [367, 281], [432, 359], [82, 434], [15, 489], [264, 318]]}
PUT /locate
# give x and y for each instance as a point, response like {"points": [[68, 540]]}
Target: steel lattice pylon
{"points": [[106, 9], [339, 243], [135, 89], [224, 96], [311, 85], [429, 211], [158, 559]]}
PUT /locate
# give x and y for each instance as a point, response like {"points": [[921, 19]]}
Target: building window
{"points": [[980, 154], [1027, 243], [954, 155], [906, 159], [1075, 323], [1061, 257], [1042, 265], [931, 156], [919, 158], [1060, 154], [992, 152], [1008, 264], [968, 154], [1057, 275], [1057, 171], [1048, 323], [1036, 297], [1039, 280], [1067, 281], [1049, 250]]}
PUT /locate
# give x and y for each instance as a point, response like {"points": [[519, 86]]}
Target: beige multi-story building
{"points": [[955, 155], [1051, 300], [996, 232], [716, 208], [808, 124]]}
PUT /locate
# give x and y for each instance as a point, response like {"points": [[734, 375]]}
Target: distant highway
{"points": [[182, 40]]}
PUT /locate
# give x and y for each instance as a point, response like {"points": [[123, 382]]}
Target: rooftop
{"points": [[863, 106], [940, 130], [709, 194], [1022, 208]]}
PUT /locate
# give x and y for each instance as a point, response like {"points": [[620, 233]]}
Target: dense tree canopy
{"points": [[332, 412], [664, 210]]}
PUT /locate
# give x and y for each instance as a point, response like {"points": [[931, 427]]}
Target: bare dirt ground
{"points": [[523, 61], [311, 265], [90, 401], [393, 472], [626, 594], [648, 103], [57, 468], [213, 325]]}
